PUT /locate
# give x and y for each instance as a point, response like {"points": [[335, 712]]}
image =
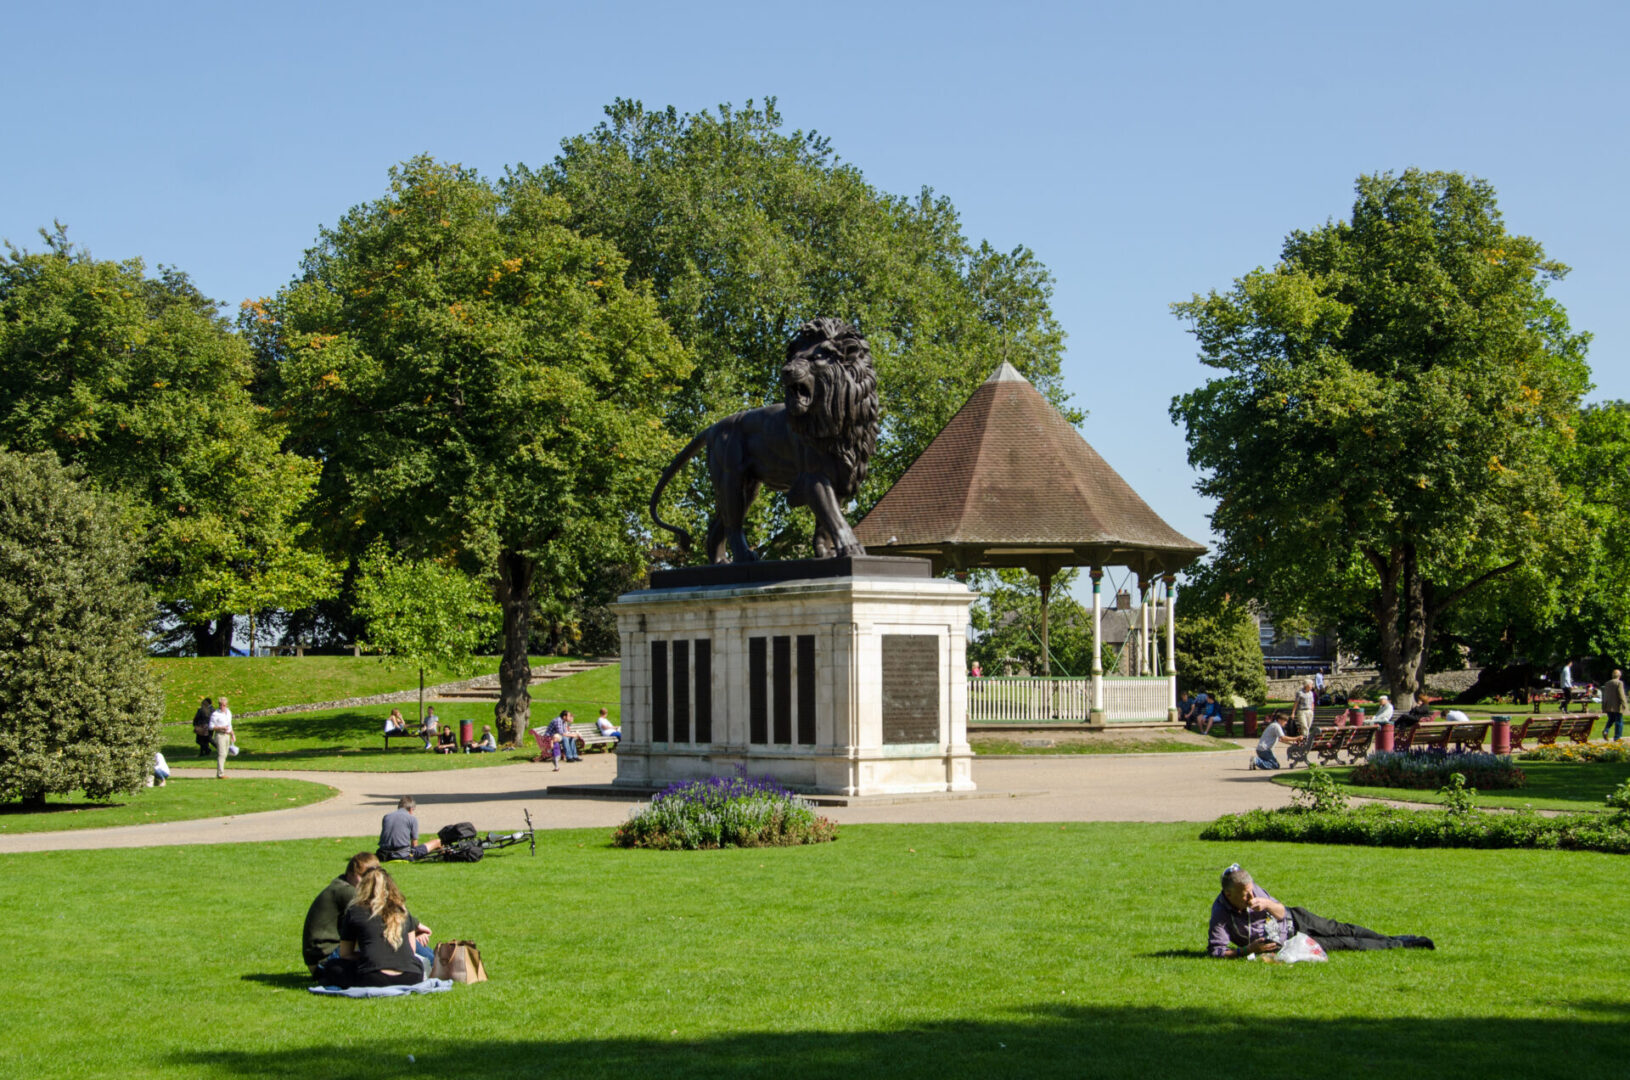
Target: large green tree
{"points": [[480, 383], [79, 706], [746, 230], [141, 383], [1392, 398]]}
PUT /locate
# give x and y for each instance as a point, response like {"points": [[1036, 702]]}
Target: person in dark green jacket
{"points": [[320, 940]]}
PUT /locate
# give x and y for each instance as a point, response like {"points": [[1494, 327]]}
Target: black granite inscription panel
{"points": [[704, 690], [911, 688], [681, 691], [781, 687], [758, 697], [659, 691], [806, 689]]}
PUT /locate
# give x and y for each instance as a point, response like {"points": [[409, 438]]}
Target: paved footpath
{"points": [[1087, 787]]}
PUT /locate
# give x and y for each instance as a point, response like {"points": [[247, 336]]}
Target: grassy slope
{"points": [[179, 800], [898, 952], [1552, 785], [266, 682], [348, 740]]}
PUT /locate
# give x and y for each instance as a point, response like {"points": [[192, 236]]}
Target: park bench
{"points": [[1579, 730], [1359, 739], [414, 735], [1542, 729], [1326, 741], [588, 738]]}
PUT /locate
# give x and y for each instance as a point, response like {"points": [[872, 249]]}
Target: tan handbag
{"points": [[459, 961]]}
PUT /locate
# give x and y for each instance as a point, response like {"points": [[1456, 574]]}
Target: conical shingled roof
{"points": [[1010, 482]]}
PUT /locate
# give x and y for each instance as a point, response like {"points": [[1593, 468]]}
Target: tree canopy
{"points": [[745, 231], [1392, 399], [79, 706], [480, 383], [141, 383]]}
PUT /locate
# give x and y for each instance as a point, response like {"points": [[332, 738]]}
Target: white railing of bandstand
{"points": [[1024, 699]]}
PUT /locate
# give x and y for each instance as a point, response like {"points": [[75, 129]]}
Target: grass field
{"points": [[349, 740], [897, 952], [1552, 785], [179, 800], [267, 682]]}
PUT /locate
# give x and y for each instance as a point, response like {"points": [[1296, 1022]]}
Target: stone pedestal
{"points": [[851, 682]]}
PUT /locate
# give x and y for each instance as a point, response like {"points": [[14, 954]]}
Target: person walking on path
{"points": [[1613, 705], [220, 730], [1305, 701], [200, 727], [1246, 920], [1566, 682]]}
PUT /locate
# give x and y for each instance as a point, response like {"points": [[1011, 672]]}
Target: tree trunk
{"points": [[1412, 656], [213, 639], [514, 710], [421, 697], [34, 800], [1390, 570]]}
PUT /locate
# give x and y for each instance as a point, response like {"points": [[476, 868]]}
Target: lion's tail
{"points": [[668, 474]]}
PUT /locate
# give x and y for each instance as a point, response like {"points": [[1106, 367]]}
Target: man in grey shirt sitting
{"points": [[399, 834]]}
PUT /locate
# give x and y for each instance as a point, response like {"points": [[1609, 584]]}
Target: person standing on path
{"points": [[220, 729], [200, 726], [1304, 708], [1613, 705], [1566, 682]]}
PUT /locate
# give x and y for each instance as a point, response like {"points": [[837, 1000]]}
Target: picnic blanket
{"points": [[429, 986]]}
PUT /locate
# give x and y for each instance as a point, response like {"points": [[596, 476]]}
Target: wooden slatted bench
{"points": [[587, 734], [1326, 742], [1542, 729], [414, 735], [1359, 739], [1579, 730]]}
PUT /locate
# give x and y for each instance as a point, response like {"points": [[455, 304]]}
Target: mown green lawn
{"points": [[179, 800], [896, 952], [1552, 785], [350, 740], [267, 682]]}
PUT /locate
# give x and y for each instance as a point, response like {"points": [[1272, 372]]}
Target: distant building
{"points": [[1286, 655]]}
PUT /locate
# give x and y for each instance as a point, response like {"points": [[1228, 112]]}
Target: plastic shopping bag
{"points": [[1299, 948]]}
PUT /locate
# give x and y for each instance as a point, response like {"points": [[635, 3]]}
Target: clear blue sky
{"points": [[1145, 152]]}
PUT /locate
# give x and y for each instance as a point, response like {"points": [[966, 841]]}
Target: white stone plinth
{"points": [[806, 703]]}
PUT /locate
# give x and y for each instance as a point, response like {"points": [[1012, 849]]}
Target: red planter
{"points": [[1250, 723], [1500, 732]]}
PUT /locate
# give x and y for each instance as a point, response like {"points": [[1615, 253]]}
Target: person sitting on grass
{"points": [[320, 938], [394, 724], [445, 743], [604, 726], [382, 939], [1274, 733], [488, 744], [399, 834], [427, 728], [1246, 920]]}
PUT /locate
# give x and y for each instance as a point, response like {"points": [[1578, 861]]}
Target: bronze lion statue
{"points": [[815, 445]]}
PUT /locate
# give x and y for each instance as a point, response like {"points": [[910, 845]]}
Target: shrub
{"points": [[1385, 826], [724, 811], [1318, 793], [1617, 752], [1432, 768], [1457, 797]]}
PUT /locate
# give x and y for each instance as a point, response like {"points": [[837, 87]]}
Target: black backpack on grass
{"points": [[452, 834]]}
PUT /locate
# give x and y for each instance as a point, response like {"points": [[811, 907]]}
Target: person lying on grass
{"points": [[1246, 920], [399, 834], [320, 938], [382, 940]]}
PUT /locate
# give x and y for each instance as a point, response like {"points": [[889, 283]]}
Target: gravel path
{"points": [[1107, 787]]}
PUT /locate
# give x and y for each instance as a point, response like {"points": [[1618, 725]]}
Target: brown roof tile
{"points": [[1009, 472]]}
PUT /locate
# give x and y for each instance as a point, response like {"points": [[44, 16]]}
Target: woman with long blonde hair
{"points": [[389, 946]]}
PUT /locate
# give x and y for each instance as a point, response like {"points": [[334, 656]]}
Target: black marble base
{"points": [[768, 572]]}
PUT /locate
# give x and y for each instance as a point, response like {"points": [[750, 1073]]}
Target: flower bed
{"points": [[1616, 751], [1429, 769], [724, 811], [1322, 819]]}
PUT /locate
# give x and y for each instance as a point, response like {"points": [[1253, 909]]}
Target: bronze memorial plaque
{"points": [[911, 688]]}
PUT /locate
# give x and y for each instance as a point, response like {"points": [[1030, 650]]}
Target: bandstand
{"points": [[1011, 483]]}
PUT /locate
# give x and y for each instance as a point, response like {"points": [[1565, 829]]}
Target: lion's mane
{"points": [[842, 419]]}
